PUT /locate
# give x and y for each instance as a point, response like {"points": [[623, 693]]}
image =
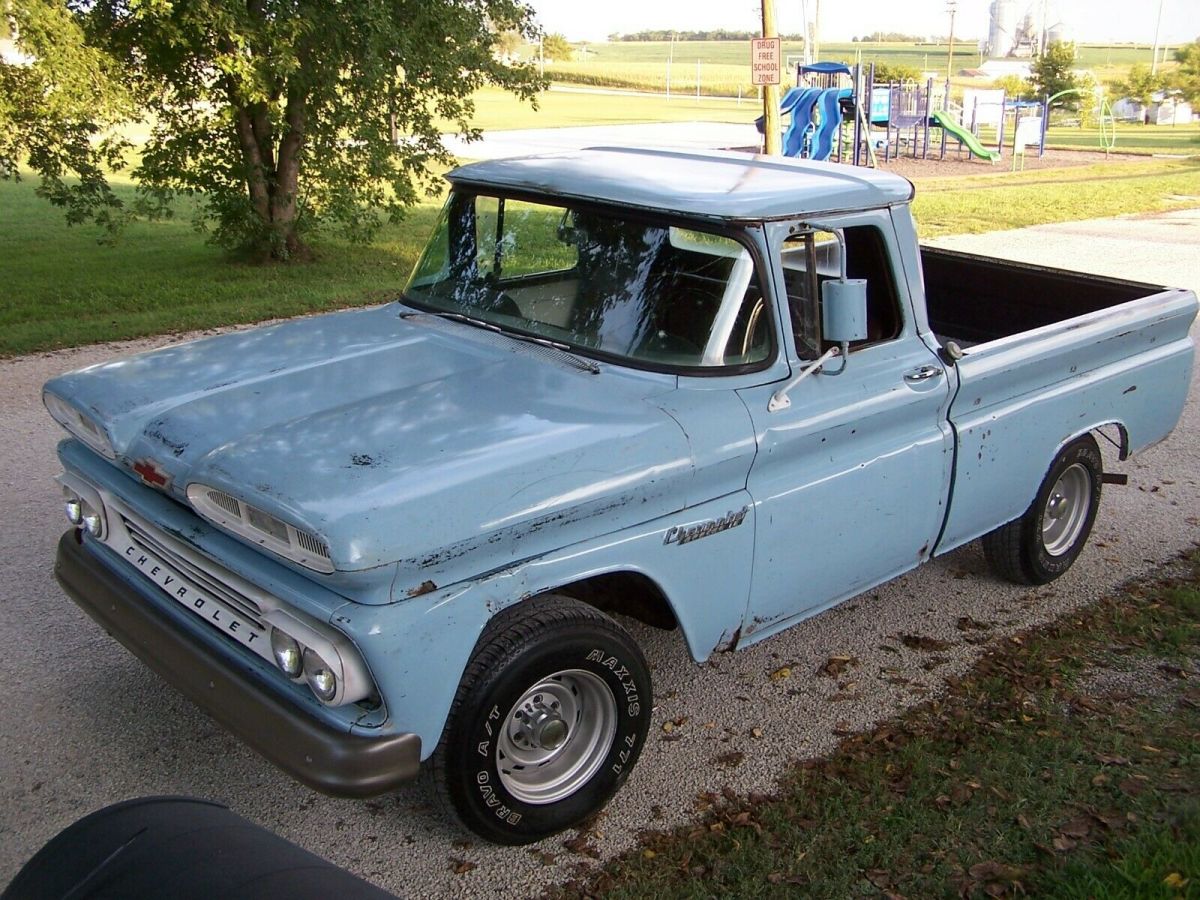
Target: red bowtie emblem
{"points": [[150, 473]]}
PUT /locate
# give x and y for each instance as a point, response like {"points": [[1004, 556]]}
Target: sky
{"points": [[1087, 20]]}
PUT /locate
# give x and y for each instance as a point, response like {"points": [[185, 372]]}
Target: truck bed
{"points": [[975, 299]]}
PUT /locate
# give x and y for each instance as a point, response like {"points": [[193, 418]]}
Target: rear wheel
{"points": [[1041, 545], [548, 721]]}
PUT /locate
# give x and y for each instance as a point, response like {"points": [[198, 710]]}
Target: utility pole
{"points": [[670, 59], [951, 5], [816, 31], [773, 145], [1154, 53]]}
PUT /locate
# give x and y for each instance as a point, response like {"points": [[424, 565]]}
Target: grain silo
{"points": [[1002, 30]]}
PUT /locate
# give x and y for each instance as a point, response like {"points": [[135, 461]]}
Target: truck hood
{"points": [[397, 437]]}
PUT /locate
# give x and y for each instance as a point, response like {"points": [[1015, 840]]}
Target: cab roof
{"points": [[714, 184]]}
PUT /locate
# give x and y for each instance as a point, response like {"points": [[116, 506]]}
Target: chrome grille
{"points": [[210, 580]]}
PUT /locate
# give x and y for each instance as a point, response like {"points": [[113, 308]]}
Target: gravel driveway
{"points": [[84, 724]]}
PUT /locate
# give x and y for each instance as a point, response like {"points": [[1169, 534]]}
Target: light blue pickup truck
{"points": [[709, 391]]}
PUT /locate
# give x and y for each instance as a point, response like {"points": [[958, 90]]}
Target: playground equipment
{"points": [[829, 96], [818, 105], [945, 120]]}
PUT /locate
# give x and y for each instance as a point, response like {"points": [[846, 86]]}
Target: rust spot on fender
{"points": [[425, 587]]}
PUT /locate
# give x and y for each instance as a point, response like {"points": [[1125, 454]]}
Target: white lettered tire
{"points": [[547, 723]]}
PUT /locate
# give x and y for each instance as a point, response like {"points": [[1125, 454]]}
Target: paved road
{"points": [[687, 135], [85, 725]]}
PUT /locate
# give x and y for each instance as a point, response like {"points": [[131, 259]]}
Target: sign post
{"points": [[766, 60]]}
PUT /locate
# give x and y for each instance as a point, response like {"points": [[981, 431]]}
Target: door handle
{"points": [[924, 373]]}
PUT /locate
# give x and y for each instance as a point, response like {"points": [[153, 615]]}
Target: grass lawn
{"points": [[63, 289], [1064, 765], [496, 110], [998, 201]]}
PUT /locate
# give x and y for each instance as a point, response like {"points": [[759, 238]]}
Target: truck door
{"points": [[850, 480]]}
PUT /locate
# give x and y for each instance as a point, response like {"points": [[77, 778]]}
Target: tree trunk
{"points": [[272, 179]]}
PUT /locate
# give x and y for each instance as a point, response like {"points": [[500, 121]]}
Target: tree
{"points": [[886, 73], [1014, 86], [555, 46], [1139, 85], [1186, 78], [1053, 72], [278, 115]]}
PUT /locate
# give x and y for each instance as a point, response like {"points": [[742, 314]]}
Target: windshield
{"points": [[648, 293]]}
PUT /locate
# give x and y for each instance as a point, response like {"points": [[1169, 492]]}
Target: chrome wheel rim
{"points": [[556, 736], [1066, 509]]}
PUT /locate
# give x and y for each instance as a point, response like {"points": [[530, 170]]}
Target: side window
{"points": [[811, 258]]}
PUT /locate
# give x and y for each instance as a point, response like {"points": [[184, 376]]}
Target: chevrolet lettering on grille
{"points": [[200, 603]]}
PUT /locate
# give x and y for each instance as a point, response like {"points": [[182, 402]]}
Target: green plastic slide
{"points": [[946, 121]]}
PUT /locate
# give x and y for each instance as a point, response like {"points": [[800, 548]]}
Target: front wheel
{"points": [[1041, 545], [548, 721]]}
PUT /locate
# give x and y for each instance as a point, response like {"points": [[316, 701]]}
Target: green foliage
{"points": [[712, 34], [280, 116], [1014, 86], [1053, 72], [556, 46], [1186, 78], [890, 37], [1139, 84], [886, 72], [54, 114]]}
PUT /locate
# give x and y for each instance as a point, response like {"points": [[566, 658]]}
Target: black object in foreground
{"points": [[179, 848]]}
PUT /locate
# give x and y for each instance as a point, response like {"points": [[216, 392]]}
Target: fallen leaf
{"points": [[730, 759], [668, 727], [756, 732], [1175, 880], [991, 870], [775, 878], [1062, 843], [966, 623], [648, 854], [781, 673], [1132, 786], [546, 859], [836, 665], [1077, 828], [1111, 760], [461, 866]]}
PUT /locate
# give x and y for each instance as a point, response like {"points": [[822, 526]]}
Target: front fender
{"points": [[419, 648]]}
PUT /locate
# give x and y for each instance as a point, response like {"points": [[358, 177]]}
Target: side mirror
{"points": [[844, 310]]}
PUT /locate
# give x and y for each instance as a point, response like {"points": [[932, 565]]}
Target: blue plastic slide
{"points": [[831, 120], [802, 115]]}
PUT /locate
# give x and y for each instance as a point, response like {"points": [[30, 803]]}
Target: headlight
{"points": [[78, 424], [288, 655], [319, 676], [73, 507], [93, 522]]}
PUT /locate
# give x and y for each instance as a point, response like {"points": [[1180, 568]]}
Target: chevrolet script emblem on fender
{"points": [[151, 473], [731, 519]]}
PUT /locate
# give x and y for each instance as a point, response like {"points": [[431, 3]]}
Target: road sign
{"points": [[765, 58]]}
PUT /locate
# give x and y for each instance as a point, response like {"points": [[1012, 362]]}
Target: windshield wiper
{"points": [[586, 364]]}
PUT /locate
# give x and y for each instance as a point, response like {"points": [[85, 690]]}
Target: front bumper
{"points": [[322, 757]]}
